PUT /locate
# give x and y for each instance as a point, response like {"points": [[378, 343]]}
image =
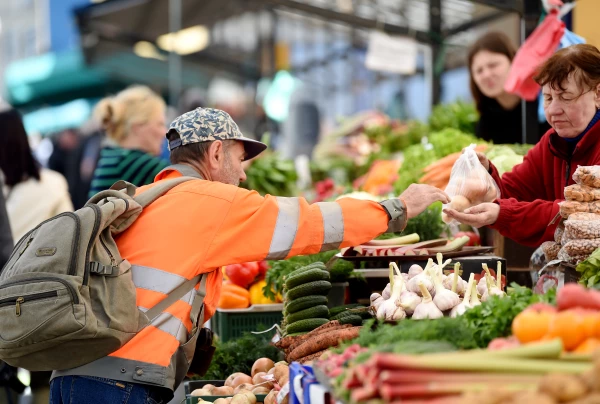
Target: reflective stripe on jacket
{"points": [[200, 226]]}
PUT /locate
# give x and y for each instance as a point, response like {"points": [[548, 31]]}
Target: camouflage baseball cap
{"points": [[208, 124]]}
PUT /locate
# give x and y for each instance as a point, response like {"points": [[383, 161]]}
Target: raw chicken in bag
{"points": [[470, 184]]}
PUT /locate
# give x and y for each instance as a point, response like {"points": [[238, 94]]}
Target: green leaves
{"points": [[271, 174], [238, 355], [590, 270], [493, 318]]}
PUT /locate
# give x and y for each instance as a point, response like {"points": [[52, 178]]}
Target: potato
{"points": [[229, 381], [280, 372], [241, 379], [593, 398], [563, 387], [208, 387], [200, 392], [221, 401], [283, 380], [260, 390], [243, 387], [262, 365], [460, 203], [271, 371], [270, 398], [222, 391], [259, 381], [251, 397], [229, 399], [240, 399], [282, 363]]}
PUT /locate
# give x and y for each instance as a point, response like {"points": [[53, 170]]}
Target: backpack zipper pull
{"points": [[18, 303]]}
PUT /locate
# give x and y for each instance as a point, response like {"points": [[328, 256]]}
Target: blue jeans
{"points": [[97, 390]]}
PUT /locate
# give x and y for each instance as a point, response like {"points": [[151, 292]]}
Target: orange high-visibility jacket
{"points": [[198, 227]]}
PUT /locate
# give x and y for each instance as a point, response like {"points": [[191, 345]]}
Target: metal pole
{"points": [[175, 68], [435, 27]]}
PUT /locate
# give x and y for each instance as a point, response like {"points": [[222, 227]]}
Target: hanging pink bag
{"points": [[536, 49]]}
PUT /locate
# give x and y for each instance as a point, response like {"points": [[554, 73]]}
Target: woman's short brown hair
{"points": [[582, 62], [495, 42]]}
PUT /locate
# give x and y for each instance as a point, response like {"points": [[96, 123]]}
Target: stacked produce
{"points": [[579, 236], [429, 294], [264, 382], [310, 346], [305, 298], [243, 286], [575, 320]]}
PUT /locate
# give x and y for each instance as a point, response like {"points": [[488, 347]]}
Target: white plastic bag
{"points": [[470, 184]]}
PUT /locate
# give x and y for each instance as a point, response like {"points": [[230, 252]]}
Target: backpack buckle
{"points": [[101, 269]]}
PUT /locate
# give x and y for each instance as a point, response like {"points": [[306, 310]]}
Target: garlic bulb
{"points": [[482, 286], [376, 300], [455, 282], [387, 292], [389, 310], [423, 277], [426, 309], [444, 299], [405, 276], [474, 297], [496, 290], [414, 270], [460, 309], [409, 301]]}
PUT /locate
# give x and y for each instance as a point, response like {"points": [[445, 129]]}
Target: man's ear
{"points": [[215, 154]]}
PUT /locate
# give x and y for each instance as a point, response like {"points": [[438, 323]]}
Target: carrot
{"points": [[330, 326], [323, 341], [312, 357], [435, 176]]}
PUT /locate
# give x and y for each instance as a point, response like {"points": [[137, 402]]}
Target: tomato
{"points": [[263, 267], [242, 274], [474, 239]]}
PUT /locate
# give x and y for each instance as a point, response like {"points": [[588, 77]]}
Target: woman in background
{"points": [[489, 59], [134, 121], [32, 194]]}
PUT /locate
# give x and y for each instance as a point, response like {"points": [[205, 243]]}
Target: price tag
{"points": [[394, 54]]}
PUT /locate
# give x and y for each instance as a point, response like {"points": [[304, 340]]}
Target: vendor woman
{"points": [[500, 121], [528, 207]]}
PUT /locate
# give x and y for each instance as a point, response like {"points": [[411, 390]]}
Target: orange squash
{"points": [[235, 289], [588, 346], [229, 300], [570, 327], [531, 325]]}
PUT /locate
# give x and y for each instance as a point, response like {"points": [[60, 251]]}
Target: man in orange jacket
{"points": [[200, 226]]}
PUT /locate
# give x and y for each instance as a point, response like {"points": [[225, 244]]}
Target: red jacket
{"points": [[531, 192]]}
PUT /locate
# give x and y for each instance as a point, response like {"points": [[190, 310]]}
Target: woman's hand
{"points": [[478, 216], [484, 161]]}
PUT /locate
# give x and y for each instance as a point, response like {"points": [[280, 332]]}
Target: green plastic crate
{"points": [[232, 323]]}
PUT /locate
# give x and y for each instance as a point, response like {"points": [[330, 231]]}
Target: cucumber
{"points": [[305, 325], [315, 274], [339, 309], [320, 311], [342, 315], [304, 303], [311, 288], [314, 265], [353, 319]]}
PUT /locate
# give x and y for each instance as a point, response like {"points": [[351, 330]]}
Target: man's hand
{"points": [[478, 216], [418, 197]]}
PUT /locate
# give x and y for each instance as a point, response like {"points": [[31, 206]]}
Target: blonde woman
{"points": [[134, 121]]}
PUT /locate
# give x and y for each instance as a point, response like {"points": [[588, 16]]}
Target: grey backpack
{"points": [[67, 297]]}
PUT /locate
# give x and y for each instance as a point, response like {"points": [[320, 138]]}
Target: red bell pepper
{"points": [[242, 274]]}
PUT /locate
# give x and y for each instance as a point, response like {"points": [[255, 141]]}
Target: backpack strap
{"points": [[162, 187], [178, 293]]}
